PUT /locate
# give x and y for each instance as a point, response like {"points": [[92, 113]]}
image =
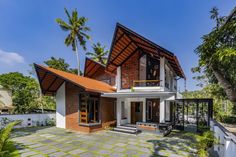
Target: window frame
{"points": [[94, 98]]}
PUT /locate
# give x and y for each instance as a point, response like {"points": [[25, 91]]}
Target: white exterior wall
{"points": [[227, 141], [29, 120], [61, 107], [127, 102], [162, 72]]}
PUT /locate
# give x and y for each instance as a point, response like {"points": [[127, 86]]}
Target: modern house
{"points": [[138, 86]]}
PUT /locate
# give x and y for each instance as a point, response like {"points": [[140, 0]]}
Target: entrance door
{"points": [[153, 110], [136, 112]]}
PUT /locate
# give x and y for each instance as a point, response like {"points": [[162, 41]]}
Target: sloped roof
{"points": [[127, 42], [51, 79], [91, 67]]}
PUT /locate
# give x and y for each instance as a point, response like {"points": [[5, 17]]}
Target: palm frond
{"points": [[74, 15], [68, 15], [64, 26]]}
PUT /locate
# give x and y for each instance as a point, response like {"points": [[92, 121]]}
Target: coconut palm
{"points": [[99, 54], [77, 29]]}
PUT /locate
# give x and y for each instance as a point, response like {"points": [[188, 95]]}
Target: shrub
{"points": [[4, 138], [4, 121], [204, 142], [228, 119], [50, 122]]}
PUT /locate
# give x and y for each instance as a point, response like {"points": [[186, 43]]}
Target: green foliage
{"points": [[228, 119], [99, 54], [77, 29], [217, 54], [204, 142], [4, 138], [50, 122], [60, 64], [24, 90], [4, 121], [221, 105], [25, 93]]}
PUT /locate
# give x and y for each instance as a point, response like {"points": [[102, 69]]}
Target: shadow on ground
{"points": [[177, 143]]}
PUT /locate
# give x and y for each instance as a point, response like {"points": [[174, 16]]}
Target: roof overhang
{"points": [[138, 94], [126, 42], [92, 67], [51, 79], [49, 82]]}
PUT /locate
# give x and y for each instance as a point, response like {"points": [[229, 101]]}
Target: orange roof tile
{"points": [[87, 83]]}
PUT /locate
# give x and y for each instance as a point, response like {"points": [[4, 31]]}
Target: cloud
{"points": [[10, 58]]}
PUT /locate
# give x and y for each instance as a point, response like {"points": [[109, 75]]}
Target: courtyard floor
{"points": [[55, 142]]}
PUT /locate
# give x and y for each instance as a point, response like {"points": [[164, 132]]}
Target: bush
{"points": [[4, 121], [228, 119], [50, 122], [5, 143], [204, 142]]}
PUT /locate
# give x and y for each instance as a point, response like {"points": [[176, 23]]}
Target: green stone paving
{"points": [[55, 142]]}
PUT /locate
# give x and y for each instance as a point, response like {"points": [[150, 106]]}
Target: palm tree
{"points": [[99, 54], [77, 29]]}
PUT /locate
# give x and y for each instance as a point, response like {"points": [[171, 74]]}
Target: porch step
{"points": [[127, 127], [129, 131]]}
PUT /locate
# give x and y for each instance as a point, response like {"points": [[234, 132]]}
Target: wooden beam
{"points": [[52, 83], [138, 43], [129, 56], [92, 68], [122, 50], [88, 65], [117, 40], [41, 80]]}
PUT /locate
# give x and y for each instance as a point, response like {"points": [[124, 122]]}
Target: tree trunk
{"points": [[77, 58], [228, 88]]}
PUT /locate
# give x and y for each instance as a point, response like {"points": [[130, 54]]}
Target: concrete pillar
{"points": [[162, 72], [144, 110], [118, 78], [162, 110], [118, 111]]}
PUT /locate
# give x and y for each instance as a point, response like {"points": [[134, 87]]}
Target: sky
{"points": [[29, 33]]}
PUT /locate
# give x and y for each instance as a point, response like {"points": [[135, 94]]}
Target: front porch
{"points": [[140, 111]]}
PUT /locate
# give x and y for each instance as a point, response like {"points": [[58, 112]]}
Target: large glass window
{"points": [[89, 109]]}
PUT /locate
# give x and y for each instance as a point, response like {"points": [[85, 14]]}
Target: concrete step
{"points": [[126, 127], [130, 125], [125, 130]]}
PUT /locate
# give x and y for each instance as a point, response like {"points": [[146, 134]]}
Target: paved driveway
{"points": [[55, 142]]}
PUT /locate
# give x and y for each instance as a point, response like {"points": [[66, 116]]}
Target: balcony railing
{"points": [[146, 83]]}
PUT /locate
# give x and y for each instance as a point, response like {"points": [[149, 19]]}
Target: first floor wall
{"points": [[110, 109], [124, 108], [67, 101]]}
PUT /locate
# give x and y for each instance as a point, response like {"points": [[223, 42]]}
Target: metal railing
{"points": [[146, 83]]}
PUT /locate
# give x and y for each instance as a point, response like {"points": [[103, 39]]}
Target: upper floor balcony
{"points": [[146, 85]]}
